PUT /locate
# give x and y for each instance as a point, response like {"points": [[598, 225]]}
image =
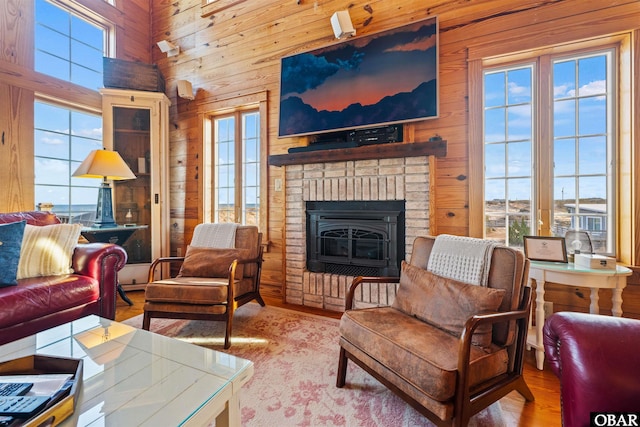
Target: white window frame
{"points": [[250, 102]]}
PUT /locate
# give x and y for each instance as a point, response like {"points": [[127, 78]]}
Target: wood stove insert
{"points": [[356, 238]]}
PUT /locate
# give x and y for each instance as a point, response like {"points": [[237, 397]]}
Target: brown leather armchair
{"points": [[446, 365], [597, 359], [213, 282]]}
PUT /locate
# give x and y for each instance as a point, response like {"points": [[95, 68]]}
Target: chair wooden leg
{"points": [[227, 334], [341, 378], [146, 321], [522, 388], [260, 300]]}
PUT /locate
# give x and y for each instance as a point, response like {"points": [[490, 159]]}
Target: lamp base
{"points": [[104, 211]]}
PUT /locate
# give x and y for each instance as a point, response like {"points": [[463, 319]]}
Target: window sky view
{"points": [[580, 89], [580, 128]]}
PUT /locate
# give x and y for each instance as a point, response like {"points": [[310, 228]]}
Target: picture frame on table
{"points": [[545, 248]]}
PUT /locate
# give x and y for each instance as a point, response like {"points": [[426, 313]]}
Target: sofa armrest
{"points": [[101, 261], [597, 359]]}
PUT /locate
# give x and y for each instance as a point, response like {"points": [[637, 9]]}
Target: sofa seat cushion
{"points": [[194, 290], [41, 296], [417, 352]]}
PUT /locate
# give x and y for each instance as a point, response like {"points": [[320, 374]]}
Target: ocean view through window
{"points": [[63, 138]]}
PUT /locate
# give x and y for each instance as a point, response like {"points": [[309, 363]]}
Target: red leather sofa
{"points": [[597, 359], [39, 303]]}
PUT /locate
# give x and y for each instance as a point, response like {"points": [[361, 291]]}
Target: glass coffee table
{"points": [[136, 378]]}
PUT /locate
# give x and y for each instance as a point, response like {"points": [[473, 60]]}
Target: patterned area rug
{"points": [[296, 358]]}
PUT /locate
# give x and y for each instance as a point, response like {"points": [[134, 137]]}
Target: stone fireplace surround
{"points": [[405, 178]]}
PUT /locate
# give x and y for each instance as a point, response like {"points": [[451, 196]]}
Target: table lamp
{"points": [[107, 165]]}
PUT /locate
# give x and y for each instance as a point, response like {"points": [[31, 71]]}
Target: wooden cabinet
{"points": [[136, 125]]}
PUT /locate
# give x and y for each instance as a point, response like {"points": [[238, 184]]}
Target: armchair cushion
{"points": [[424, 356], [188, 290], [211, 262], [10, 243], [446, 303], [47, 250]]}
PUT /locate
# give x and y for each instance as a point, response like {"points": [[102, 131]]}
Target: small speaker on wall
{"points": [[185, 90], [342, 26]]}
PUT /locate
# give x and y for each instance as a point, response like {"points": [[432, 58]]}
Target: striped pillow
{"points": [[47, 250]]}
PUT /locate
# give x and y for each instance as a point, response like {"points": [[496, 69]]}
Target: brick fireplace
{"points": [[405, 179]]}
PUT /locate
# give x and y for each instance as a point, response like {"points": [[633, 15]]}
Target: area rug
{"points": [[296, 358]]}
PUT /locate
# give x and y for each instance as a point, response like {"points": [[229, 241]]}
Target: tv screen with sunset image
{"points": [[383, 78]]}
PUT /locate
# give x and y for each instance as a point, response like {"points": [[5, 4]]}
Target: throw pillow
{"points": [[211, 262], [48, 250], [10, 243], [446, 303]]}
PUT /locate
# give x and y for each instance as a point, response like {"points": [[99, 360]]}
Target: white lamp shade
{"points": [[104, 164]]}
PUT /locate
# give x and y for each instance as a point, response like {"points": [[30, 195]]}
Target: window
{"points": [[508, 136], [68, 46], [232, 171], [63, 138], [237, 168], [547, 170]]}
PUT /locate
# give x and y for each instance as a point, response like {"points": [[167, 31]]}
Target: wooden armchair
{"points": [[448, 360], [213, 282]]}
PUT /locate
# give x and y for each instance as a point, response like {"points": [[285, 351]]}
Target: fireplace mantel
{"points": [[366, 152]]}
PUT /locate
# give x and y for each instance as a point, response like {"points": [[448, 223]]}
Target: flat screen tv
{"points": [[384, 78]]}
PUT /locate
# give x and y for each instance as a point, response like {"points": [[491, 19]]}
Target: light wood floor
{"points": [[545, 411]]}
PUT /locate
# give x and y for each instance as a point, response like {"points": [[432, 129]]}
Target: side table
{"points": [[116, 235], [571, 275]]}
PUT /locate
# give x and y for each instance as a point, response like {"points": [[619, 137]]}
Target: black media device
{"points": [[379, 135], [353, 138]]}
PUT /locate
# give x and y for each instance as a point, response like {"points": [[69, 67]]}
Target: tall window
{"points": [[68, 46], [549, 148], [63, 138], [237, 168]]}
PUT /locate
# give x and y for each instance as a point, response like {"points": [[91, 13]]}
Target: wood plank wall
{"points": [[16, 108], [237, 50]]}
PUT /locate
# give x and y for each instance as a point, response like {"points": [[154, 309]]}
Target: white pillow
{"points": [[47, 250]]}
